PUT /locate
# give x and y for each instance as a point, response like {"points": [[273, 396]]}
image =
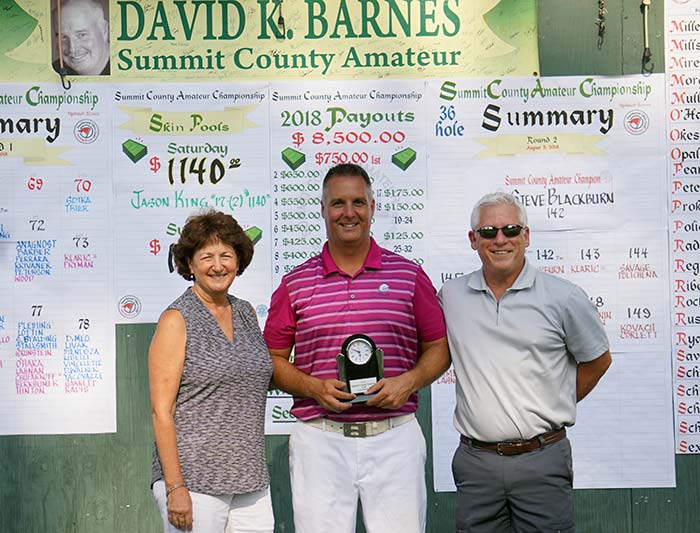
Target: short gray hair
{"points": [[498, 198]]}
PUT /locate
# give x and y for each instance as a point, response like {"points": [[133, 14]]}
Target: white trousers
{"points": [[329, 471], [240, 513]]}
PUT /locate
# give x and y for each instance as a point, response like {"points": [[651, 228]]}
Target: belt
{"points": [[517, 447], [360, 429]]}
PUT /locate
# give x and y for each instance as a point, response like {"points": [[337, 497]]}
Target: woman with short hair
{"points": [[209, 371]]}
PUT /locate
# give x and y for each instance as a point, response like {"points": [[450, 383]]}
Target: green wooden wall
{"points": [[100, 483]]}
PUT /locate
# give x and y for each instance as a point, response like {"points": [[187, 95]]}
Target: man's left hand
{"points": [[392, 393]]}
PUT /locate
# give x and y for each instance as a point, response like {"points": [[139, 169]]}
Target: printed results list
{"points": [[56, 331], [683, 121]]}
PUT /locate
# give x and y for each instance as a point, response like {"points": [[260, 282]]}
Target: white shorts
{"points": [[239, 513]]}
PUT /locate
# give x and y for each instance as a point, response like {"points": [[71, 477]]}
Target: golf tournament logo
{"points": [[86, 131]]}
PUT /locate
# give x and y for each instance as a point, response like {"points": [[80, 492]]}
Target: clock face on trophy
{"points": [[359, 349], [360, 365]]}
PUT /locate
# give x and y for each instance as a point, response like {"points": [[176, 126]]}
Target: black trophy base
{"points": [[361, 398]]}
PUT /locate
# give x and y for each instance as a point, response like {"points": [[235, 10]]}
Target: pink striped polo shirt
{"points": [[317, 306]]}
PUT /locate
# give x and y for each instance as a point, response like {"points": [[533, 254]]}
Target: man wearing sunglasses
{"points": [[526, 346]]}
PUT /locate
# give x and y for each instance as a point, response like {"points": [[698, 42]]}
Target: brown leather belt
{"points": [[517, 447]]}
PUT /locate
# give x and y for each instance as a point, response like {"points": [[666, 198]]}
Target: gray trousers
{"points": [[527, 493]]}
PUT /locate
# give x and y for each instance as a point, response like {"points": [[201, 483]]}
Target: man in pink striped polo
{"points": [[339, 451]]}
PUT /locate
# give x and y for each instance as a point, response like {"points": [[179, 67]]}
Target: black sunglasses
{"points": [[490, 232]]}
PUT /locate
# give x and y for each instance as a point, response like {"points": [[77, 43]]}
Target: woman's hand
{"points": [[180, 508]]}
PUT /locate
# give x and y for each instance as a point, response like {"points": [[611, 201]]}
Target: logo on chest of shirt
{"points": [[384, 287]]}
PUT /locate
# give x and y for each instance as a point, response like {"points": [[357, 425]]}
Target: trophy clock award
{"points": [[360, 365]]}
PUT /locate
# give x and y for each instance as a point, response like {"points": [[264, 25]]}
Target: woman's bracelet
{"points": [[173, 488]]}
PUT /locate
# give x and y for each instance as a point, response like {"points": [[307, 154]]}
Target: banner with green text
{"points": [[129, 40]]}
